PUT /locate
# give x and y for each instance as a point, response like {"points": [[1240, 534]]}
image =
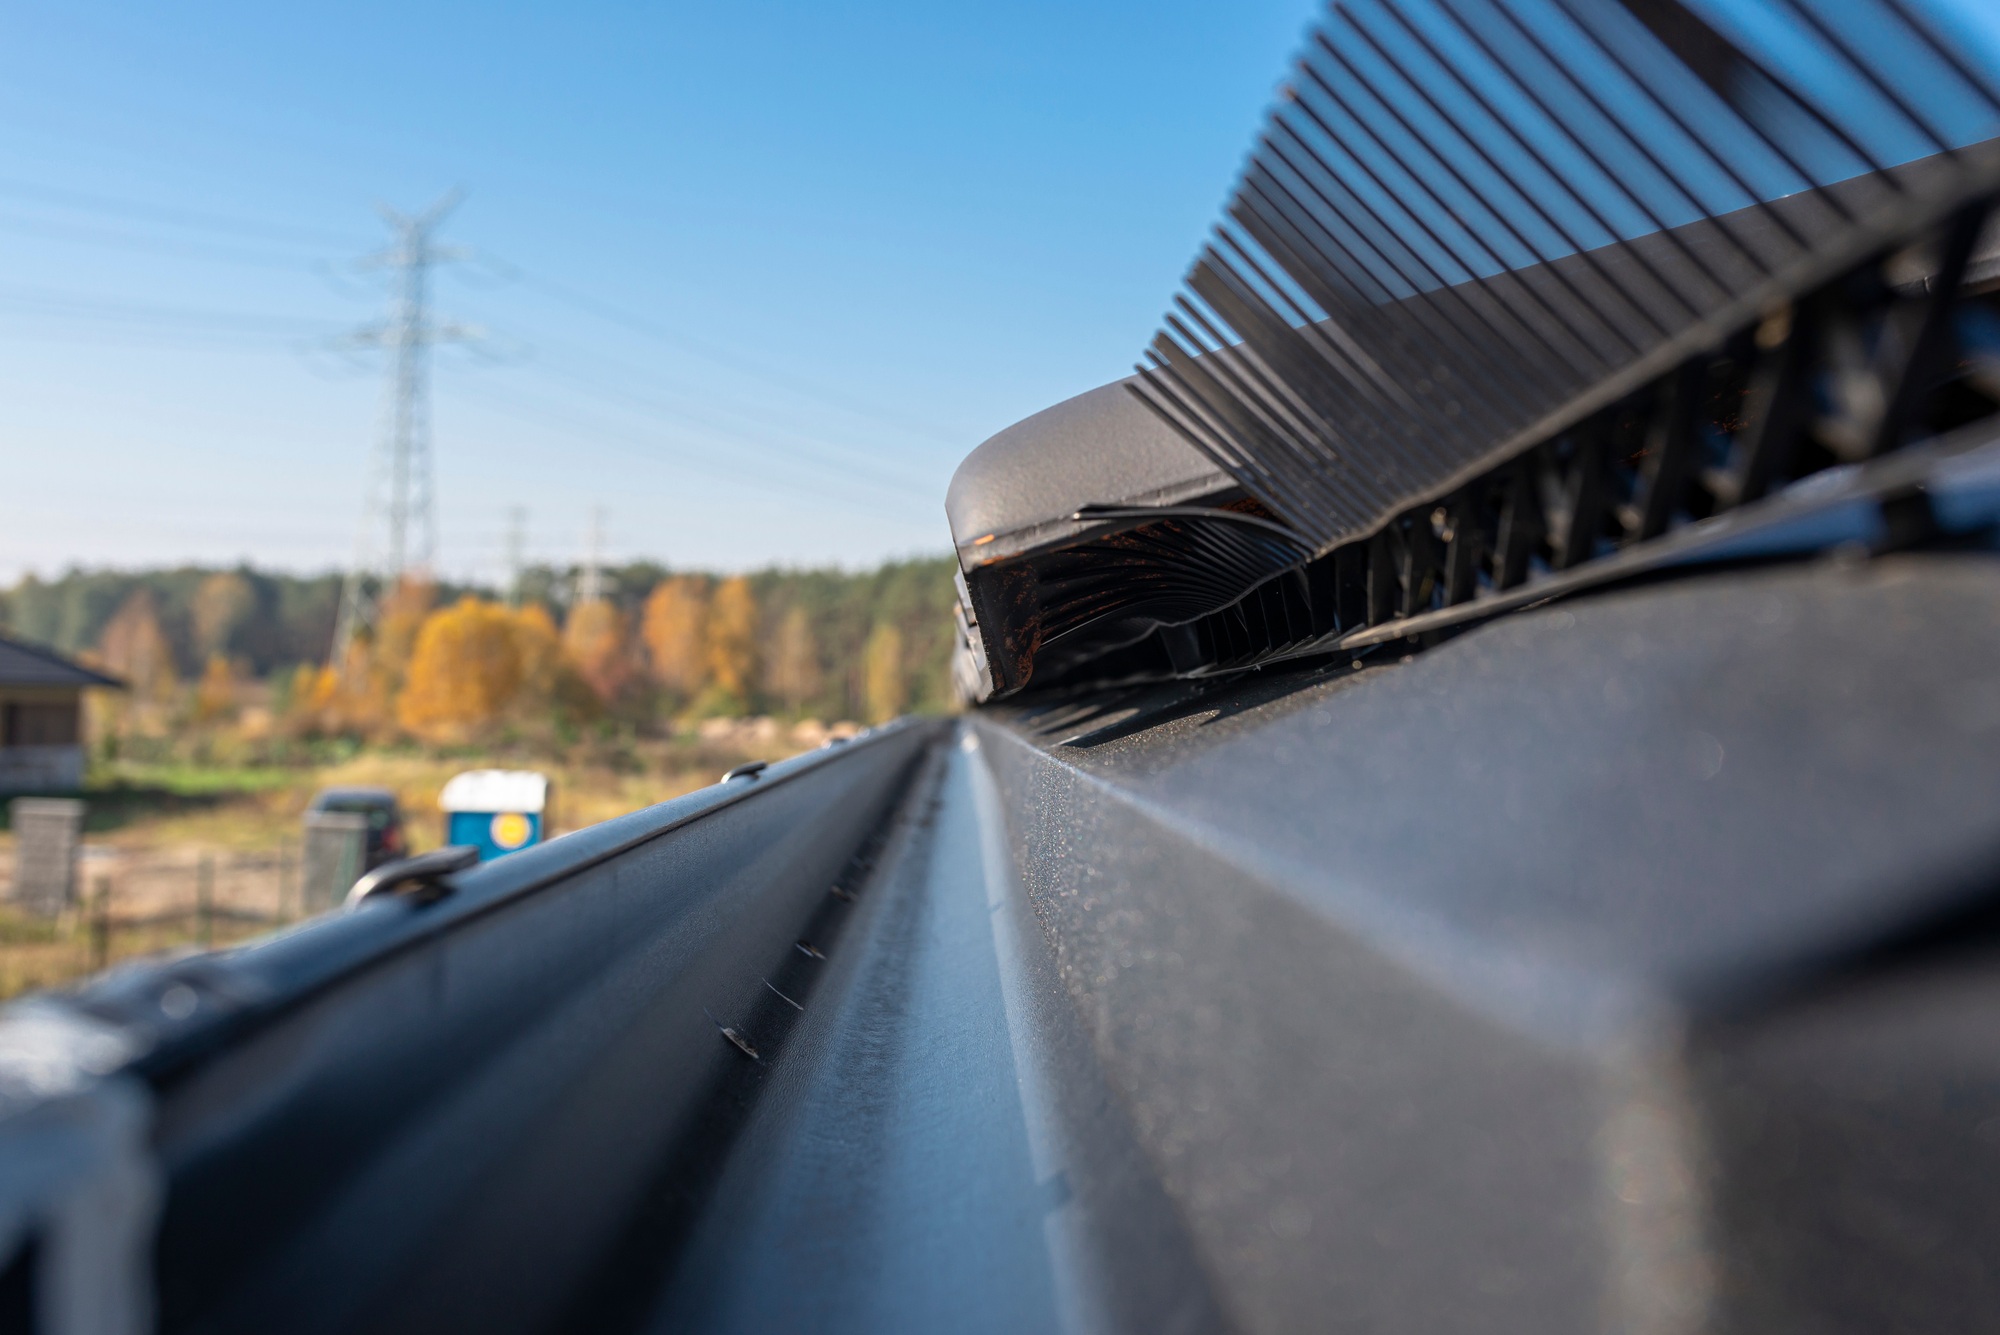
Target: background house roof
{"points": [[23, 664]]}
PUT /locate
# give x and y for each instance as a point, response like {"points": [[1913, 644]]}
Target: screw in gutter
{"points": [[742, 1044]]}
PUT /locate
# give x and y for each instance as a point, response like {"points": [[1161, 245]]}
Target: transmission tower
{"points": [[517, 552], [590, 577], [398, 535]]}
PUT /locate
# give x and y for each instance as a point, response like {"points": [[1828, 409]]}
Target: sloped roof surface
{"points": [[24, 664]]}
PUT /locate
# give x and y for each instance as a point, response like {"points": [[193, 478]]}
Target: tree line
{"points": [[449, 662]]}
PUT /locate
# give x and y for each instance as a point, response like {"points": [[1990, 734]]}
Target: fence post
{"points": [[100, 923], [204, 901]]}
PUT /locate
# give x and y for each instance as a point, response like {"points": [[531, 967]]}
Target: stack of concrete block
{"points": [[48, 831], [335, 856]]}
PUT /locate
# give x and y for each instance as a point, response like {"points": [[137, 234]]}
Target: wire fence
{"points": [[131, 903]]}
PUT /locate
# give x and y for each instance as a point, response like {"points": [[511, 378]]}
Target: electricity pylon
{"points": [[590, 577], [397, 510], [517, 552]]}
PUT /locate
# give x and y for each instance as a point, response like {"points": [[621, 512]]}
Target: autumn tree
{"points": [[596, 644], [794, 675], [289, 620], [464, 671], [885, 686], [732, 641], [675, 629], [222, 603], [552, 689], [215, 696], [399, 621], [135, 647], [352, 702], [306, 698], [376, 665], [540, 646]]}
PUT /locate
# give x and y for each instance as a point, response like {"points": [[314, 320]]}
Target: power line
{"points": [[140, 340], [236, 326], [816, 451], [138, 243], [187, 219], [684, 454], [775, 376], [69, 305], [761, 430]]}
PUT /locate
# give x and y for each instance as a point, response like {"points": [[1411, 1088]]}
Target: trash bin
{"points": [[497, 811]]}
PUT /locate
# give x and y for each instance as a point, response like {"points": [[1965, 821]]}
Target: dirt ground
{"points": [[182, 858]]}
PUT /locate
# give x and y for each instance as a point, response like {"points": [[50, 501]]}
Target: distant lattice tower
{"points": [[398, 534]]}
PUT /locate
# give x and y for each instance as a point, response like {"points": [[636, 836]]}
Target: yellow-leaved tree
{"points": [[551, 689], [306, 699], [675, 629], [540, 647], [215, 697], [794, 670], [885, 686], [222, 603], [400, 619], [372, 684], [464, 671], [595, 640], [134, 647], [732, 644]]}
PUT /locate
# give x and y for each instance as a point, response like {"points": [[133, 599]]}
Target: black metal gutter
{"points": [[340, 1118]]}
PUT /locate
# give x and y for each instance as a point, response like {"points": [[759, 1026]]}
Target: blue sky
{"points": [[754, 276]]}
